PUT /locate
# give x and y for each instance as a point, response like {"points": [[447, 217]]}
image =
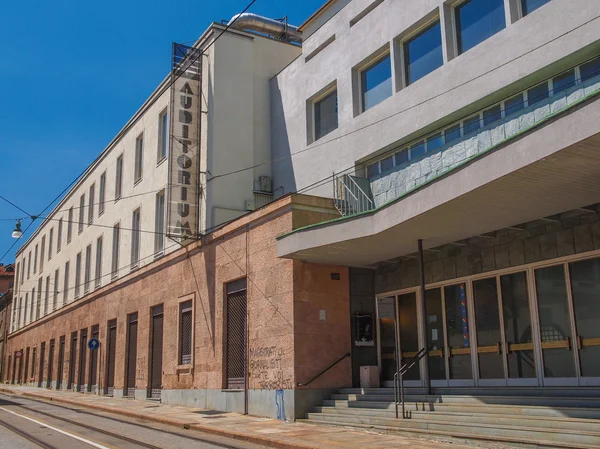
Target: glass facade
{"points": [[423, 53], [478, 20]]}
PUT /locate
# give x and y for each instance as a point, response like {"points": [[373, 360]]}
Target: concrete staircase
{"points": [[529, 418]]}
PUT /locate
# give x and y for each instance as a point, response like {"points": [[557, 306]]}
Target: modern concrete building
{"points": [[454, 238]]}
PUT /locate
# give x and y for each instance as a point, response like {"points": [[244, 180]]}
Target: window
{"points": [[55, 294], [373, 170], [91, 207], [434, 142], [50, 242], [78, 276], [119, 178], [70, 226], [98, 273], [386, 164], [35, 259], [478, 20], [531, 5], [185, 333], [115, 251], [471, 124], [492, 114], [17, 274], [163, 135], [29, 265], [590, 69], [376, 83], [401, 157], [32, 307], [25, 309], [47, 296], [102, 194], [135, 238], [159, 227], [88, 269], [563, 81], [514, 104], [326, 115], [139, 158], [42, 253], [39, 299], [23, 271], [537, 93], [452, 133], [417, 150], [81, 212], [423, 53], [66, 284], [58, 238]]}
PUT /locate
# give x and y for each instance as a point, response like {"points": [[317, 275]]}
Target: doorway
{"points": [[156, 352], [131, 355]]}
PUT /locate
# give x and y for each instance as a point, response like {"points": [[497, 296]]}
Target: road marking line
{"points": [[91, 443]]}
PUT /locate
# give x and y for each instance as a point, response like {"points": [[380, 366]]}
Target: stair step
{"points": [[483, 418], [428, 433], [520, 410], [587, 392], [554, 435]]}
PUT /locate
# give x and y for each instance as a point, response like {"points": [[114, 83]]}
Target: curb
{"points": [[188, 426]]}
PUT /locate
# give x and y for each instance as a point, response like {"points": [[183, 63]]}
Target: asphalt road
{"points": [[26, 423]]}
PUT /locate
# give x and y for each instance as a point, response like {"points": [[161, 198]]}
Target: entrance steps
{"points": [[534, 418]]}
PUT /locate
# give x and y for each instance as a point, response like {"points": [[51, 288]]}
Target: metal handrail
{"points": [[349, 196], [300, 384], [398, 378]]}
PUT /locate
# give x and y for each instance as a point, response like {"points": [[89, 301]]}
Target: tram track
{"points": [[26, 435]]}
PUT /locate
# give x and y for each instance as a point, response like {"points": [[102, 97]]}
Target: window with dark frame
{"points": [[528, 6], [139, 158], [376, 82], [81, 212], [91, 206], [119, 178], [423, 53], [326, 114], [102, 194], [185, 333], [115, 250], [70, 226], [163, 135], [477, 21], [135, 238]]}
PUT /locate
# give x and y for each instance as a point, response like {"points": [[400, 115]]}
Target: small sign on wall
{"points": [[322, 315], [363, 329]]}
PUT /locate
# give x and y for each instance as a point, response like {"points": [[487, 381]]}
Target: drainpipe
{"points": [[424, 315]]}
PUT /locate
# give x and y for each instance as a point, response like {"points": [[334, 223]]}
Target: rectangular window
{"points": [[35, 259], [434, 142], [373, 170], [43, 253], [159, 220], [326, 115], [452, 133], [139, 158], [55, 293], [32, 307], [17, 272], [376, 83], [81, 212], [23, 271], [39, 299], [98, 273], [66, 284], [417, 150], [590, 69], [538, 93], [478, 20], [401, 157], [50, 243], [135, 238], [78, 276], [423, 53], [102, 194], [70, 226], [58, 238], [531, 5], [115, 251], [471, 124], [514, 104], [88, 269], [185, 333], [119, 178], [387, 164], [29, 265], [163, 135], [91, 207], [492, 114], [47, 296], [563, 81]]}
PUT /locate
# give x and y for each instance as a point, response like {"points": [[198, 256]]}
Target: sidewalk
{"points": [[263, 431]]}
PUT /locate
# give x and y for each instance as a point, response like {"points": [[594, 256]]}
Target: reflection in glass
{"points": [[487, 316], [554, 320], [478, 20], [531, 5], [423, 53], [387, 337], [514, 104], [409, 333], [435, 333], [457, 327], [585, 282], [517, 324], [376, 83], [564, 81]]}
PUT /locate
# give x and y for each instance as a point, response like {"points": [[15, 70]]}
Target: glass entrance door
{"points": [[408, 324]]}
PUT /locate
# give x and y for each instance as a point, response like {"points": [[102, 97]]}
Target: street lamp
{"points": [[17, 233]]}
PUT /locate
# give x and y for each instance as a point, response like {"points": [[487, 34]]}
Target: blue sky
{"points": [[73, 72]]}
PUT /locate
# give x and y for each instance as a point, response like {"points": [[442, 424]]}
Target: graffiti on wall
{"points": [[266, 368]]}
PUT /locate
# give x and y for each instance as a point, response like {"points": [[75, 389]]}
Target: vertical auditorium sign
{"points": [[184, 143]]}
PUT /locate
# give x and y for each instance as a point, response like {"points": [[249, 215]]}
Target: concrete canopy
{"points": [[549, 170]]}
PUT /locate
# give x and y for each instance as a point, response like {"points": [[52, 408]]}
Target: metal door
{"points": [[82, 354], [131, 356], [61, 363], [111, 348], [50, 364], [156, 352], [72, 361], [42, 362], [93, 376], [236, 335]]}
